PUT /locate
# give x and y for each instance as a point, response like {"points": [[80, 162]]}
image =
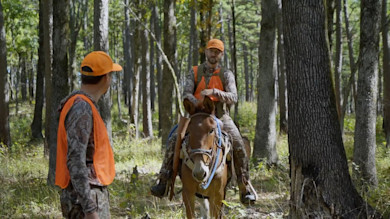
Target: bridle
{"points": [[209, 152]]}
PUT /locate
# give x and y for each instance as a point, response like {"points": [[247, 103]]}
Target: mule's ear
{"points": [[208, 104], [189, 106]]}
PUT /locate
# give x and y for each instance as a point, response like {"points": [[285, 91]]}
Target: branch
{"points": [[178, 95]]}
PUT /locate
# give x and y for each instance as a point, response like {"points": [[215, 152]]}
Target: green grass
{"points": [[24, 192]]}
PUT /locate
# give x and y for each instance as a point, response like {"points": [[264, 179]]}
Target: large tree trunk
{"points": [[48, 42], [283, 127], [60, 74], [321, 186], [36, 125], [265, 137], [5, 137], [386, 73], [365, 133], [146, 104], [167, 77], [100, 43]]}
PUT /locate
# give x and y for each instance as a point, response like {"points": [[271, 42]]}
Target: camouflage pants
{"points": [[72, 209], [239, 153]]}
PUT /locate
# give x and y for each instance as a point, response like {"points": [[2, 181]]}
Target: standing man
{"points": [[85, 161], [210, 79]]}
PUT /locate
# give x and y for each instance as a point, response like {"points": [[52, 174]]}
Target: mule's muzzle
{"points": [[200, 171]]}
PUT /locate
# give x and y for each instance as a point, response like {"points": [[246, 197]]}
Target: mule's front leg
{"points": [[189, 202]]}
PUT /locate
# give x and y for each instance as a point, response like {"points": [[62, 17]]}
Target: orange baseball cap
{"points": [[100, 63], [216, 44]]}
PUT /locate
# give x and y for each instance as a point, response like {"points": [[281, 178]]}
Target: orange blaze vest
{"points": [[103, 158], [215, 82]]}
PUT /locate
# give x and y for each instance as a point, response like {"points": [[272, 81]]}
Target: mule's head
{"points": [[202, 134]]}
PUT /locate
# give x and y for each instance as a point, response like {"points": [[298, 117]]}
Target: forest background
{"points": [[43, 42]]}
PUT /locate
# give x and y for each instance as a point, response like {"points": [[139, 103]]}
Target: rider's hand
{"points": [[207, 92], [93, 215]]}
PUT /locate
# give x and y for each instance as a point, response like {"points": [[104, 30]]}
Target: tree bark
{"points": [[36, 125], [349, 88], [60, 74], [5, 137], [146, 103], [386, 73], [246, 70], [265, 136], [234, 57], [321, 186], [48, 50], [151, 61], [100, 43], [159, 65], [338, 59], [365, 127], [137, 69], [283, 124], [167, 77]]}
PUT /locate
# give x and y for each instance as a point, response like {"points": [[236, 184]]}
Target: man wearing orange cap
{"points": [[211, 79], [85, 161]]}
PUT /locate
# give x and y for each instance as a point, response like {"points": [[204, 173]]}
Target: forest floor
{"points": [[25, 194]]}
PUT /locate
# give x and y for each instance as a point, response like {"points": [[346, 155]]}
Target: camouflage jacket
{"points": [[79, 129], [226, 98]]}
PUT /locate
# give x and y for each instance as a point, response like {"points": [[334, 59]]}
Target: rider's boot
{"points": [[161, 189], [248, 194]]}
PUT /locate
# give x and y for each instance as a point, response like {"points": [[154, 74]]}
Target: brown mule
{"points": [[204, 172]]}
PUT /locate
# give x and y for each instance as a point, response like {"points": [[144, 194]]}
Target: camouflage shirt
{"points": [[228, 97], [79, 130]]}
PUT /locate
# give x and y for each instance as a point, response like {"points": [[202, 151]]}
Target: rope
{"points": [[205, 186], [170, 133]]}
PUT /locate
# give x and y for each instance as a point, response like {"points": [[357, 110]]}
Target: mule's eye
{"points": [[211, 131]]}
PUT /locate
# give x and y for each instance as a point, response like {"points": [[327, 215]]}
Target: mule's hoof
{"points": [[247, 198], [159, 190]]}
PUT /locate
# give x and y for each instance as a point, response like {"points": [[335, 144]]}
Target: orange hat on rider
{"points": [[99, 63], [216, 44]]}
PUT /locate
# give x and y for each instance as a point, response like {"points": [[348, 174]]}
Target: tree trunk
{"points": [[5, 137], [246, 70], [349, 88], [365, 133], [194, 32], [151, 61], [137, 69], [338, 59], [75, 23], [283, 124], [386, 73], [146, 103], [36, 125], [222, 37], [167, 77], [48, 50], [234, 57], [128, 59], [85, 27], [265, 136], [320, 183], [100, 43], [60, 73], [159, 65], [23, 77]]}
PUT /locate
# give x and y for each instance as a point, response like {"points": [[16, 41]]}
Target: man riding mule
{"points": [[212, 80]]}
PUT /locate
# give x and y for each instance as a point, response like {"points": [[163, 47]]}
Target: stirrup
{"points": [[160, 190]]}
